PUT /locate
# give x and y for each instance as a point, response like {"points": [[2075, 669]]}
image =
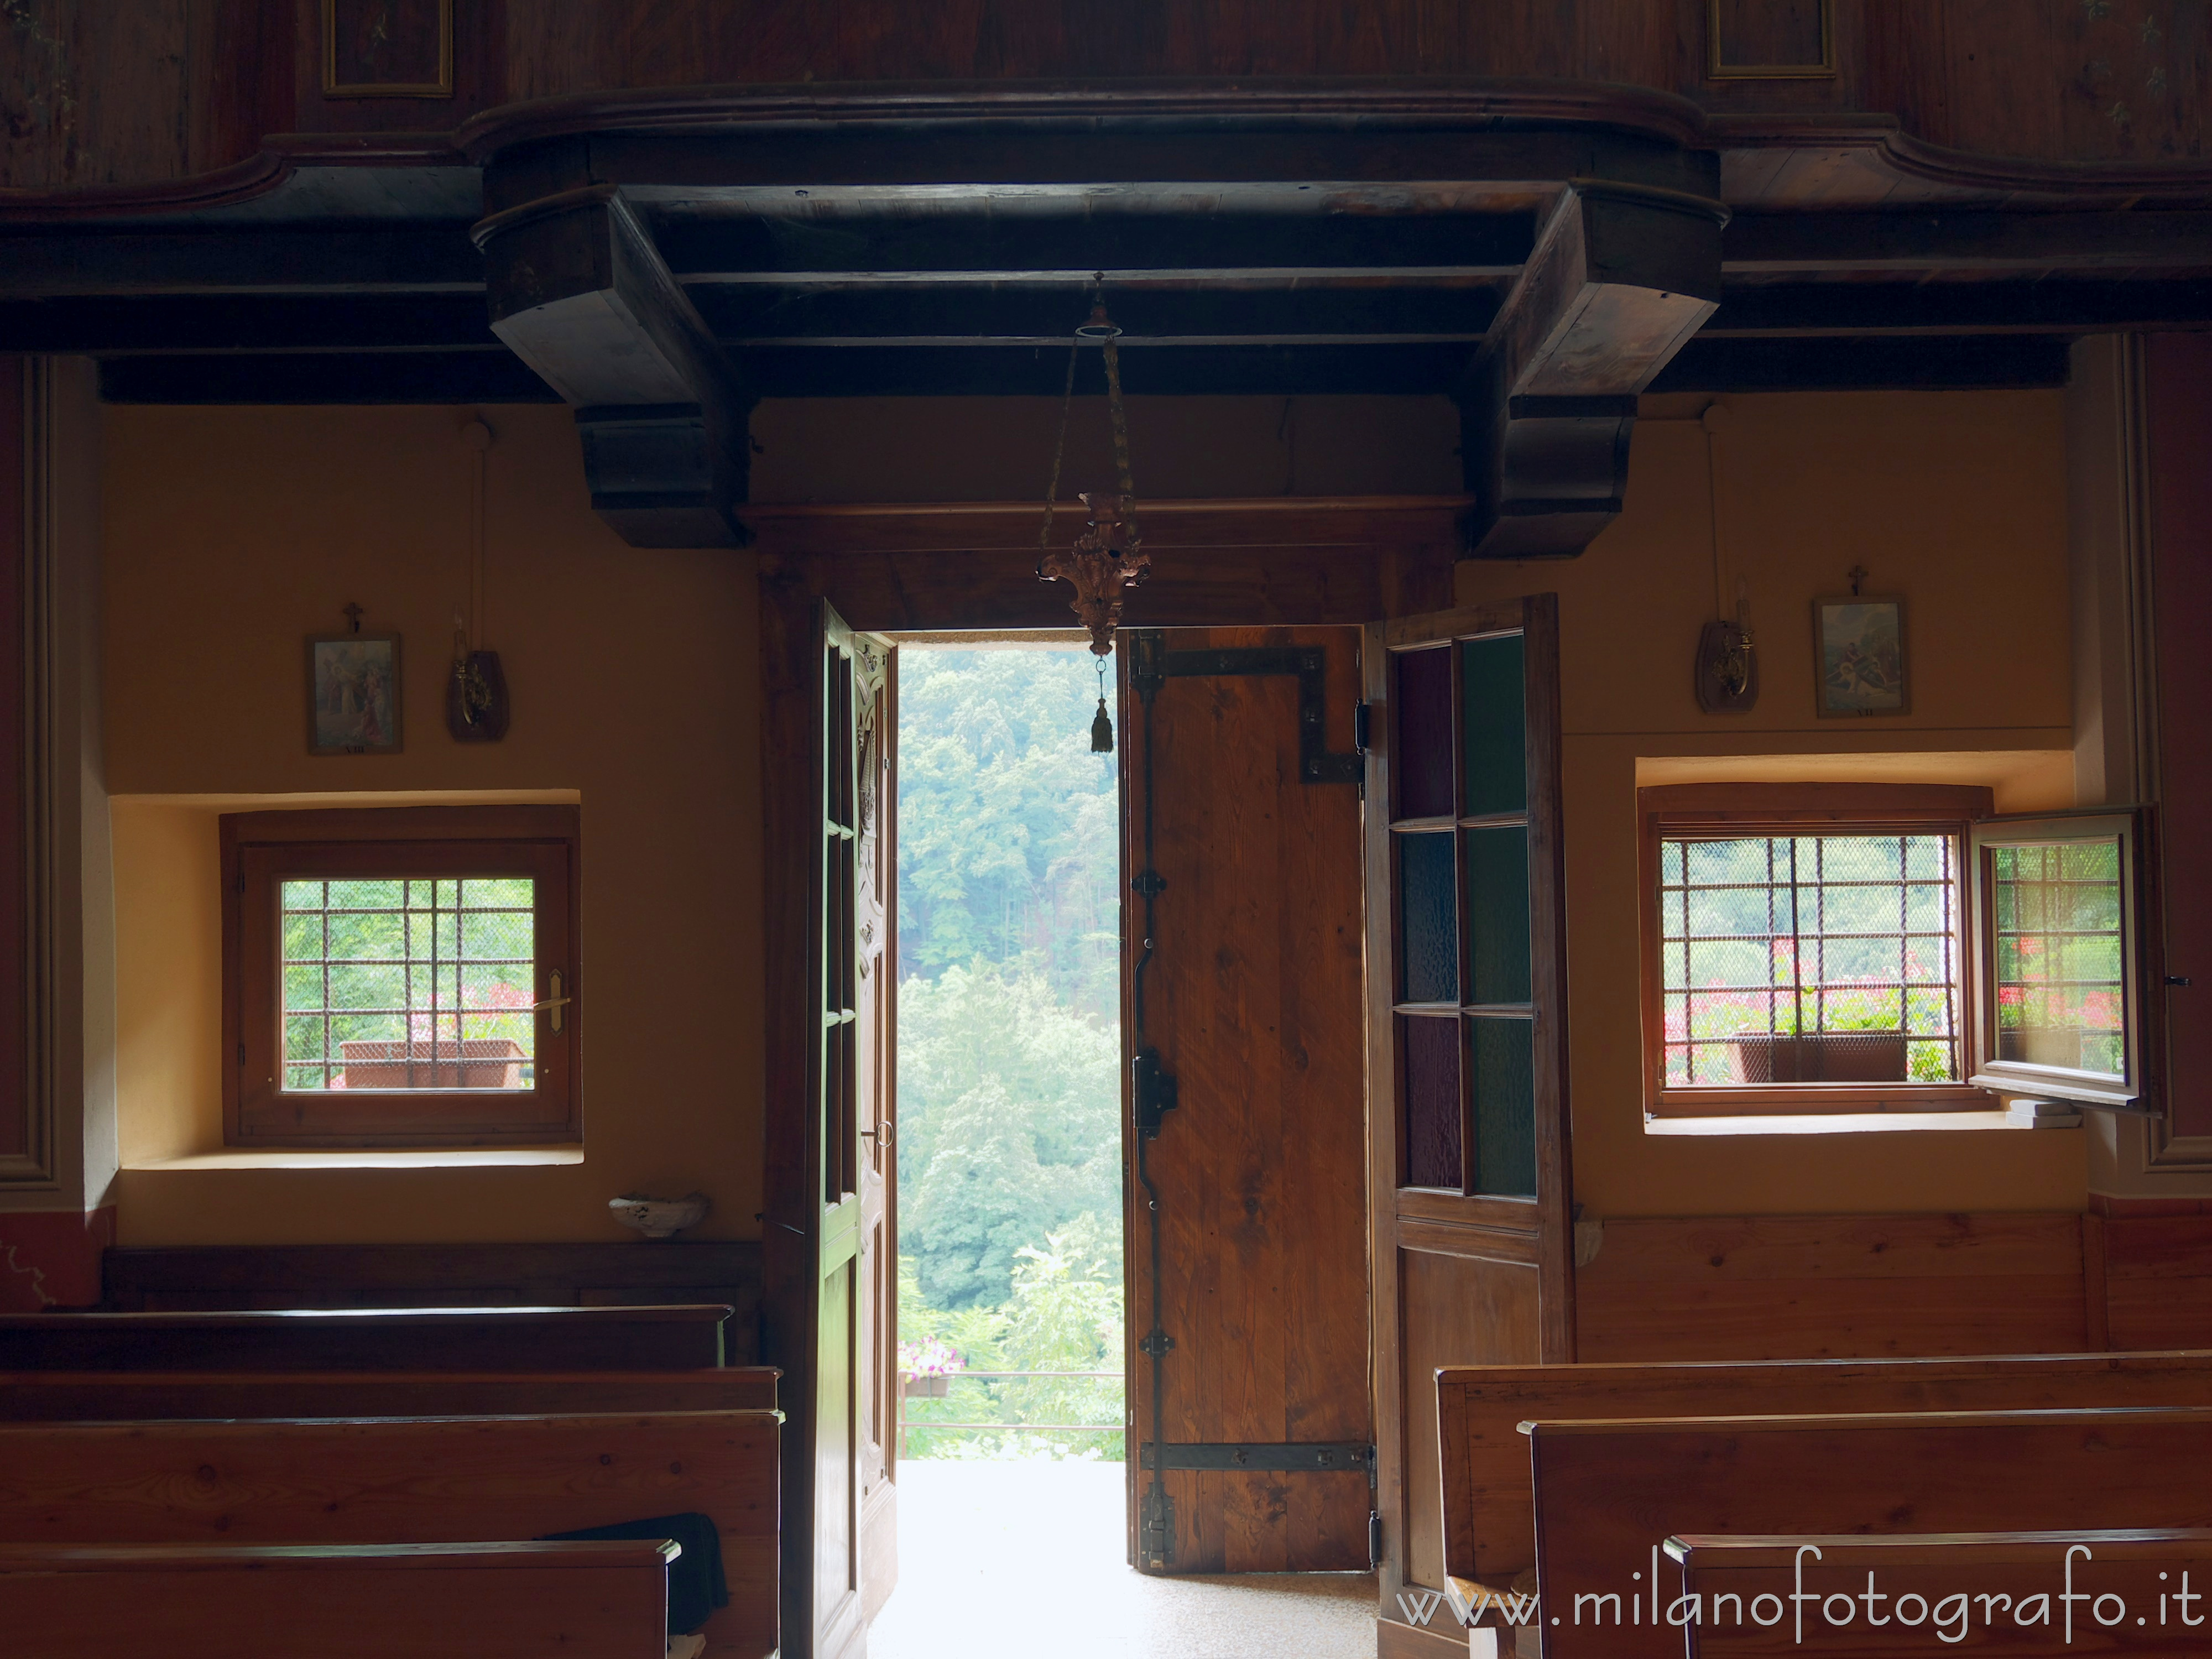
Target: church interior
{"points": [[1641, 562]]}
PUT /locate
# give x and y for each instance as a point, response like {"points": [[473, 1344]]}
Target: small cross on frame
{"points": [[1858, 572], [352, 613]]}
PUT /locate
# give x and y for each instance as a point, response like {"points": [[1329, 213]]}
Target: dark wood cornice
{"points": [[1399, 101], [1418, 103], [257, 175]]}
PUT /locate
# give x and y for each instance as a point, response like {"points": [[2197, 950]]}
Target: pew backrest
{"points": [[474, 1480], [131, 1396], [2000, 1595], [677, 1336], [492, 1601], [1609, 1494], [1488, 1508]]}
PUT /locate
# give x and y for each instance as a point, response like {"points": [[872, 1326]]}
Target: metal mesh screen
{"points": [[409, 985], [1810, 959]]}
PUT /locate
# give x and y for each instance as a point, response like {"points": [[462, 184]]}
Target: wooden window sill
{"points": [[1860, 1123], [367, 1157]]}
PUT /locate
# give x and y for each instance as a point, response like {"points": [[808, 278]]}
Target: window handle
{"points": [[556, 1002]]}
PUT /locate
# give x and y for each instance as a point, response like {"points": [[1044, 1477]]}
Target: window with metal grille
{"points": [[1805, 948], [401, 977], [410, 984], [1811, 959]]}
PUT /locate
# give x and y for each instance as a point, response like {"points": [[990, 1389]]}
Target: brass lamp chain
{"points": [[1059, 443], [1120, 421]]}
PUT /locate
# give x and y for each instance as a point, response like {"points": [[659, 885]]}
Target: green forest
{"points": [[1009, 1049]]}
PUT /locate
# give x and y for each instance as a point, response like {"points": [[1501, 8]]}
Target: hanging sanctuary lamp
{"points": [[1108, 559]]}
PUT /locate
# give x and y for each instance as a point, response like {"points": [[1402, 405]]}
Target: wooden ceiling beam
{"points": [[227, 259], [1983, 242], [1620, 280], [578, 292]]}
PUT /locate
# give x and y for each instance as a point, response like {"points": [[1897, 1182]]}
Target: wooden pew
{"points": [[1489, 1512], [380, 1339], [495, 1601], [1609, 1494], [131, 1396], [479, 1479], [1972, 1590]]}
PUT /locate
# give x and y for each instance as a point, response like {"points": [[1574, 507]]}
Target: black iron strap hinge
{"points": [[1152, 664], [1274, 1457], [1152, 1092]]}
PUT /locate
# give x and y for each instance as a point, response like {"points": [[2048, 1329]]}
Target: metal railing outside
{"points": [[907, 1424]]}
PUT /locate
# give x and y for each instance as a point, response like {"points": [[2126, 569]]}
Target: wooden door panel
{"points": [[1247, 981], [1470, 1196], [1452, 1305], [828, 690]]}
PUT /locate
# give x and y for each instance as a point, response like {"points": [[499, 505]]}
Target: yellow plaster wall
{"points": [[231, 535], [1957, 501]]}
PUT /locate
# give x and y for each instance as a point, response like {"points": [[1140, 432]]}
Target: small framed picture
{"points": [[353, 694], [1858, 651]]}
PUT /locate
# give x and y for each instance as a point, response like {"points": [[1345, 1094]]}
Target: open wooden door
{"points": [[1252, 1421], [1472, 1216], [833, 1280]]}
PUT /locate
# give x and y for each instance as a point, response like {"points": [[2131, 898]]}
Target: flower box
{"points": [[927, 1388], [1821, 1057]]}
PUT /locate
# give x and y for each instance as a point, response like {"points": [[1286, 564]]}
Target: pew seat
{"points": [[675, 1336], [472, 1601], [1609, 1494], [130, 1396], [1488, 1506], [1997, 1595], [408, 1480]]}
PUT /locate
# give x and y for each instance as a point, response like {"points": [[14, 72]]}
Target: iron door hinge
{"points": [[1274, 1457], [1155, 1530], [1152, 1092], [1374, 1541]]}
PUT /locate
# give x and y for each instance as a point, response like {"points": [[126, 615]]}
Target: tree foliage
{"points": [[1007, 821], [1009, 1042]]}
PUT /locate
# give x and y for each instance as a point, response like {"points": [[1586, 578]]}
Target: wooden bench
{"points": [[1968, 1589], [678, 1336], [480, 1480], [1489, 1508], [494, 1600], [91, 1396], [1609, 1494]]}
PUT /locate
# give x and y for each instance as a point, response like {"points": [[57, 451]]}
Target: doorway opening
{"points": [[1013, 1427], [1011, 1399]]}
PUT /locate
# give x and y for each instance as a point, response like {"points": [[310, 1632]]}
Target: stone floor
{"points": [[1025, 1561]]}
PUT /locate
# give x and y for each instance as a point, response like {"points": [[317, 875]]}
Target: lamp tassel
{"points": [[1102, 730]]}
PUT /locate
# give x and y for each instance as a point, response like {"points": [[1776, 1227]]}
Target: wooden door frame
{"points": [[1496, 1237], [1258, 563]]}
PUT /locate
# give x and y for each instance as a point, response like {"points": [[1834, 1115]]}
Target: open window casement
{"points": [[2065, 957]]}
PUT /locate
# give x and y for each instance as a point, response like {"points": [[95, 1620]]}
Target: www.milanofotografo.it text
{"points": [[1810, 1613]]}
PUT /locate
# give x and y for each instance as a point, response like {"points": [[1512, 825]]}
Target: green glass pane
{"points": [[302, 894], [1493, 723], [1497, 914], [1505, 1108], [1428, 925]]}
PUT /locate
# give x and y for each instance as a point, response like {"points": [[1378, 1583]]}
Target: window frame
{"points": [[1676, 811], [2137, 1090], [262, 850]]}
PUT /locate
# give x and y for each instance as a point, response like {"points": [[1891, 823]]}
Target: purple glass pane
{"points": [[1431, 1049], [1423, 761]]}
